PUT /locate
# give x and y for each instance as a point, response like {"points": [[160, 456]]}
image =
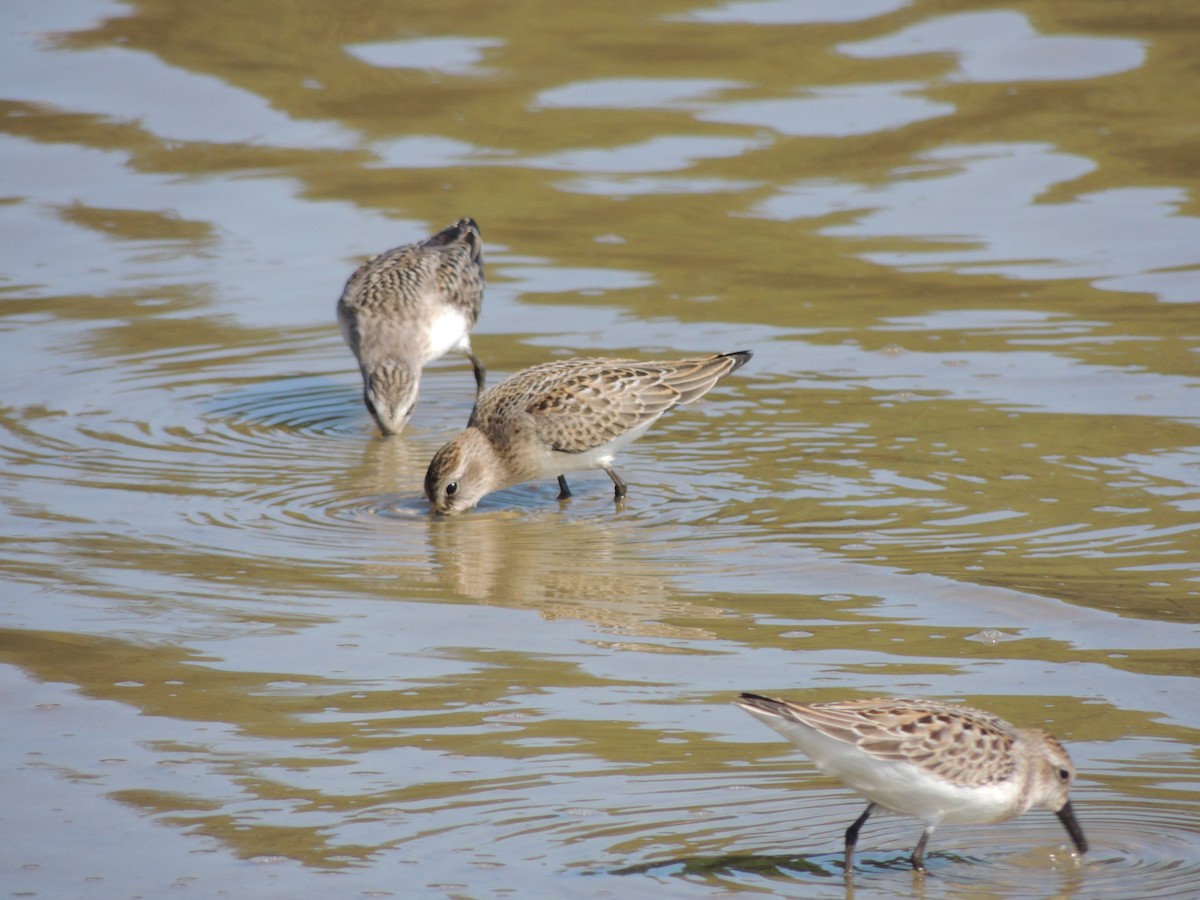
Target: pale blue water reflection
{"points": [[633, 93], [837, 111], [452, 55], [1003, 46], [139, 88], [658, 154], [789, 12], [1124, 239]]}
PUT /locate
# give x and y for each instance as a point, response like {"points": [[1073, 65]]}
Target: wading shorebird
{"points": [[561, 417], [939, 762], [404, 308]]}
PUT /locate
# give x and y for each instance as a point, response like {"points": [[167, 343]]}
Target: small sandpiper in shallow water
{"points": [[405, 308], [562, 417], [939, 762]]}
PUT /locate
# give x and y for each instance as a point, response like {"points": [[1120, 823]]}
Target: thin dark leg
{"points": [[621, 487], [563, 491], [480, 372], [918, 857], [852, 836]]}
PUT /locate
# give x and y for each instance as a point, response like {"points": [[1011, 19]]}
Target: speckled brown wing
{"points": [[597, 405], [459, 275], [447, 267], [579, 405], [963, 745]]}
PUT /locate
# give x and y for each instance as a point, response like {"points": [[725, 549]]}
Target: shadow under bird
{"points": [[562, 417], [406, 307], [939, 762]]}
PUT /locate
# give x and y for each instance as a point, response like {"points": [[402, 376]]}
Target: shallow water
{"points": [[239, 657]]}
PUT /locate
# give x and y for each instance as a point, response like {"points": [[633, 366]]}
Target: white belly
{"points": [[599, 457], [451, 330]]}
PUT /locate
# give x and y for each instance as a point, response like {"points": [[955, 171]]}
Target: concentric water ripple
{"points": [[277, 465], [306, 405], [1137, 847]]}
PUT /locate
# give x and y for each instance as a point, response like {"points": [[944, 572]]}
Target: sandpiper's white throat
{"points": [[561, 417], [404, 308], [939, 762]]}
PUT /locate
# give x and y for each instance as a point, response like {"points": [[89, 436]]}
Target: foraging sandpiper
{"points": [[408, 306], [939, 762], [561, 417]]}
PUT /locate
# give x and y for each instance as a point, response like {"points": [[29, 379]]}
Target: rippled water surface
{"points": [[237, 655]]}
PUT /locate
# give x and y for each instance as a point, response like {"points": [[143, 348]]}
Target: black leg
{"points": [[852, 836], [621, 487], [563, 491], [480, 372], [918, 856]]}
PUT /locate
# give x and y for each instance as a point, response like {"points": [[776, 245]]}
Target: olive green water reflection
{"points": [[239, 656]]}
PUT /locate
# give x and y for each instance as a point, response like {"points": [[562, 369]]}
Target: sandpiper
{"points": [[939, 762], [405, 308], [562, 417]]}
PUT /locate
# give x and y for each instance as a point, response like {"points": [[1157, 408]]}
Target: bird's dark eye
{"points": [[1064, 775], [452, 489]]}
